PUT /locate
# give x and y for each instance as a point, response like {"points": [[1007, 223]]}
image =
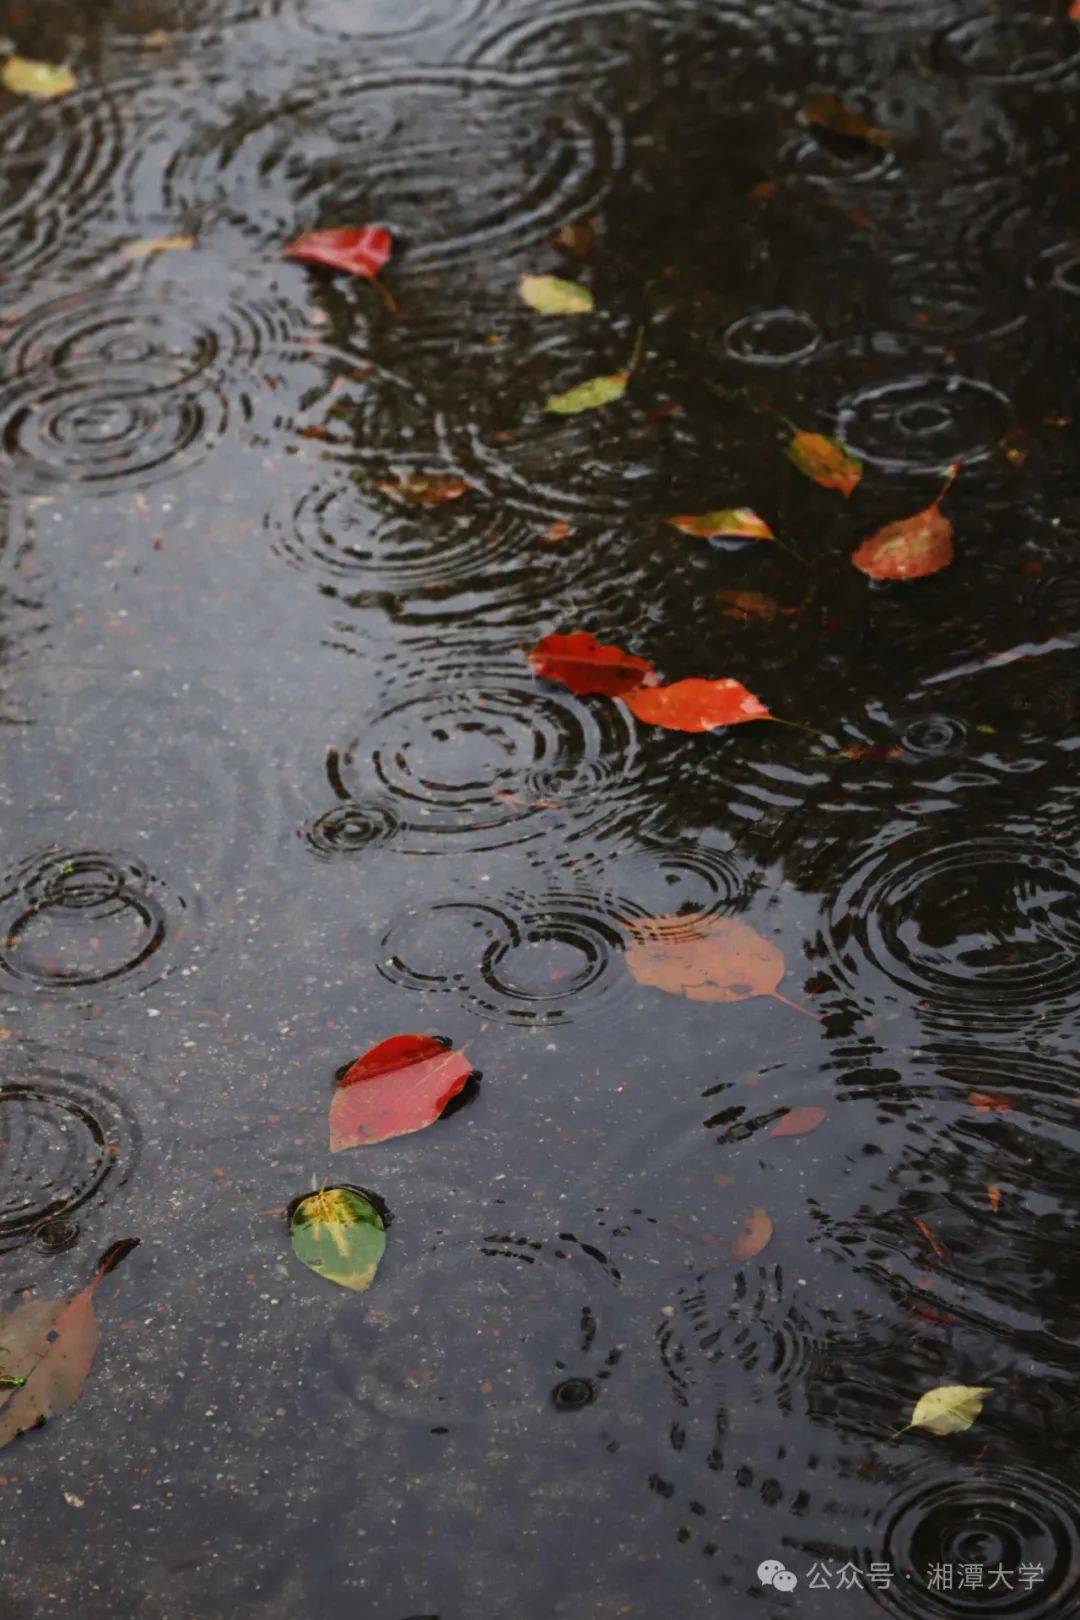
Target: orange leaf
{"points": [[994, 1193], [799, 1121], [826, 461], [696, 705], [990, 1102], [361, 250], [705, 959], [754, 1233], [399, 1086], [425, 489], [739, 522], [584, 664], [912, 547], [1074, 11]]}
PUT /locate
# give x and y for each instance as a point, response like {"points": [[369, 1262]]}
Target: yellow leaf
{"points": [[553, 296], [157, 244], [588, 396], [26, 78], [949, 1408], [826, 461]]}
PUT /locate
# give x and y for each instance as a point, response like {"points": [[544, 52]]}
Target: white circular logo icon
{"points": [[785, 1581], [769, 1570]]}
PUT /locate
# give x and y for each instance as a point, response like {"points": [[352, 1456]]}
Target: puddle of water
{"points": [[281, 783]]}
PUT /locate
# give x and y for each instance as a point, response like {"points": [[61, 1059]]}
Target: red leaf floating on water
{"points": [[696, 705], [755, 1233], [990, 1102], [706, 959], [362, 250], [912, 547], [584, 664], [799, 1121], [400, 1086]]}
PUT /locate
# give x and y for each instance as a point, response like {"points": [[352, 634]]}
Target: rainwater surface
{"points": [[280, 782]]}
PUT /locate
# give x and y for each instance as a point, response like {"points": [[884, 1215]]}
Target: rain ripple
{"points": [[527, 959], [81, 921], [979, 928], [66, 1141]]}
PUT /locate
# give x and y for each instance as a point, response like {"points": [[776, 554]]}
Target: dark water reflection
{"points": [[280, 783]]}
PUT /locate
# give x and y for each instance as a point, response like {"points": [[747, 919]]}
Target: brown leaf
{"points": [[747, 605], [754, 1234], [424, 489], [799, 1121], [576, 239], [994, 1193], [53, 1346], [705, 959]]}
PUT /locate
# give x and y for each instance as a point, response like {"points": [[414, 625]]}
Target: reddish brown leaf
{"points": [[990, 1102], [880, 753], [425, 489], [51, 1345], [932, 1239], [576, 239], [799, 1121], [736, 522], [400, 1086], [912, 547], [1074, 11], [696, 705], [584, 664], [361, 250], [705, 959], [826, 461], [754, 1234], [747, 605], [828, 112]]}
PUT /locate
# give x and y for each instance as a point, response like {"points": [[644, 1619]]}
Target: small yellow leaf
{"points": [[157, 244], [949, 1408], [553, 296], [26, 78], [589, 396]]}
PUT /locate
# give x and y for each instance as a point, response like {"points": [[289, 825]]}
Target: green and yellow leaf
{"points": [[589, 396], [737, 522], [340, 1233]]}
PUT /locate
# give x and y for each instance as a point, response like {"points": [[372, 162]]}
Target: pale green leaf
{"points": [[589, 396], [339, 1233], [550, 295]]}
